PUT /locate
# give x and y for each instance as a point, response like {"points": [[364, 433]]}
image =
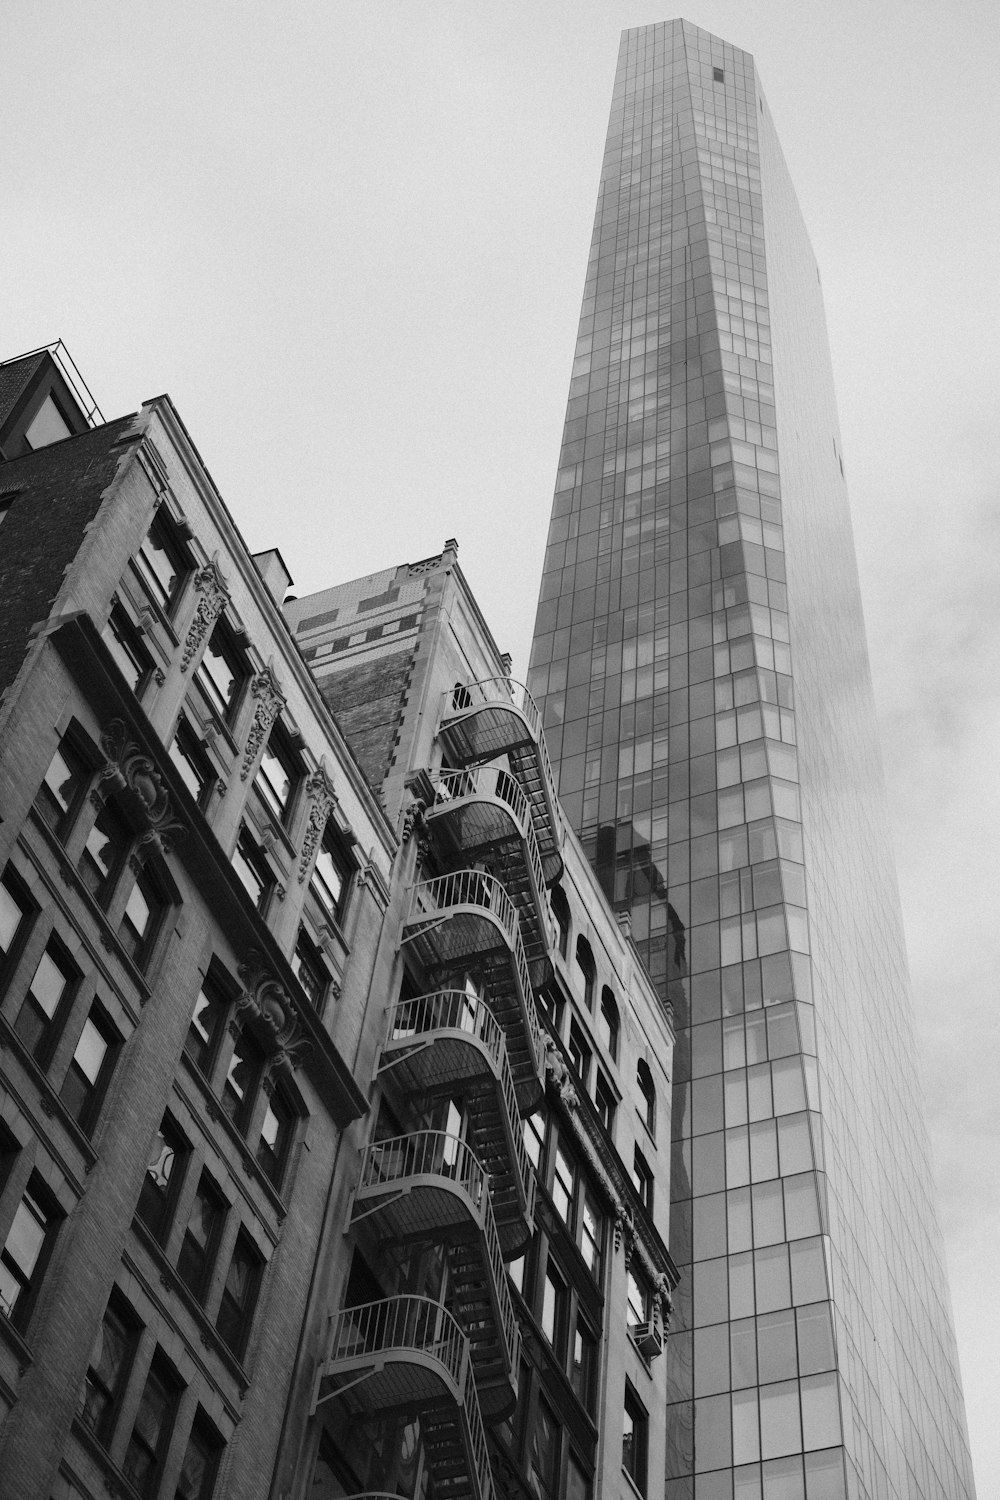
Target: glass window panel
{"points": [[780, 1429], [711, 1359], [782, 1479], [763, 1151], [825, 1475], [741, 1285], [64, 780], [801, 1206], [713, 1446], [815, 1338], [746, 1435], [768, 1214], [820, 1411], [711, 1290], [776, 1346], [49, 984], [48, 425], [771, 1278], [743, 1350], [808, 1271]]}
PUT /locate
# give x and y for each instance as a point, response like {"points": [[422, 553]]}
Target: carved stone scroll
{"points": [[322, 800], [213, 596], [128, 766], [268, 1002], [269, 701]]}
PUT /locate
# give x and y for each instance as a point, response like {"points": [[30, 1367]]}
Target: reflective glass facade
{"points": [[700, 658]]}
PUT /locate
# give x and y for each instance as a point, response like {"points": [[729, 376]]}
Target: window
{"points": [[205, 1030], [647, 1108], [6, 501], [48, 425], [196, 1480], [221, 672], [153, 1422], [607, 1104], [246, 1067], [718, 76], [24, 1256], [192, 763], [579, 1053], [51, 987], [643, 1179], [578, 1484], [608, 1022], [250, 864], [161, 563], [141, 919], [545, 1444], [108, 1372], [61, 791], [562, 1185], [639, 1299], [239, 1295], [278, 774], [331, 876], [591, 1234], [275, 1136], [92, 1065], [104, 854], [201, 1237], [584, 1364], [635, 1439], [14, 909], [163, 1174], [588, 970], [560, 910], [310, 970], [533, 1130], [555, 1304], [126, 646]]}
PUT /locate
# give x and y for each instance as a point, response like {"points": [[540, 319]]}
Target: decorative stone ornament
{"points": [[624, 1231], [270, 1005], [128, 767], [213, 596], [269, 701], [322, 800]]}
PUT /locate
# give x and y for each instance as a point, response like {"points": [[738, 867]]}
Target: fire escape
{"points": [[481, 932]]}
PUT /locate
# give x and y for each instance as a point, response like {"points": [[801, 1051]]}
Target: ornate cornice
{"points": [[128, 767], [269, 1004]]}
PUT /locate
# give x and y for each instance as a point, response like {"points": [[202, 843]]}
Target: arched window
{"points": [[608, 1024], [560, 910], [647, 1108], [588, 969]]}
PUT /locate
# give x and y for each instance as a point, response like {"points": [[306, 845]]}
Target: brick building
{"points": [[334, 1101]]}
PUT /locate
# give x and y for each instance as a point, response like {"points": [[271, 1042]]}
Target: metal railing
{"points": [[436, 1153], [479, 889], [505, 692], [493, 781], [407, 1323], [457, 1010]]}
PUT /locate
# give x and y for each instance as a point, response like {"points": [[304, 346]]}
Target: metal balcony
{"points": [[497, 716], [450, 1042], [430, 1185], [408, 1354], [482, 813], [466, 922]]}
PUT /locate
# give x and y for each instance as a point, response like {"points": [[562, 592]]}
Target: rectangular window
{"points": [[45, 1003], [207, 1022], [192, 763], [153, 1422], [591, 1235], [14, 910], [607, 1104], [275, 1137], [161, 563], [642, 1176], [239, 1091], [239, 1296], [222, 672], [545, 1444], [555, 1300], [108, 1372], [63, 786], [162, 1180], [107, 844], [579, 1053], [533, 1129], [128, 649], [331, 877], [196, 1480], [562, 1185], [635, 1439], [141, 919], [26, 1252], [310, 971], [93, 1062], [250, 864], [584, 1365], [278, 774], [201, 1237], [639, 1299], [48, 425]]}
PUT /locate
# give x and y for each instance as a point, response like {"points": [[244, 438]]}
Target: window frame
{"points": [[332, 844], [221, 642], [609, 1023], [254, 857], [59, 819], [635, 1459], [162, 1374], [179, 1147], [48, 1214], [43, 1043], [198, 1285], [643, 1180], [285, 756], [647, 1091], [170, 544], [92, 1098], [132, 646], [131, 1328], [588, 969], [185, 747], [239, 1315]]}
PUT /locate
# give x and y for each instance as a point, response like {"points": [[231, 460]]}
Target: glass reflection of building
{"points": [[700, 658]]}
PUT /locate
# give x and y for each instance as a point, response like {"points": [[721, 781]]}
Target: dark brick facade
{"points": [[367, 701]]}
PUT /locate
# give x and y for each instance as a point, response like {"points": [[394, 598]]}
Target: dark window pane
{"points": [[125, 644], [330, 877], [86, 1077], [192, 763], [50, 986], [275, 1136], [22, 1261], [239, 1091], [210, 1010], [152, 1429], [201, 1462], [201, 1236], [65, 780], [240, 1295], [107, 844], [221, 672], [166, 1158], [160, 564], [106, 1375]]}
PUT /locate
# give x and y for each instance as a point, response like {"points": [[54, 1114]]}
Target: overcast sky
{"points": [[350, 240]]}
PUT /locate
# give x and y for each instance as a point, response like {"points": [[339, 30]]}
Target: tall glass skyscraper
{"points": [[700, 658]]}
